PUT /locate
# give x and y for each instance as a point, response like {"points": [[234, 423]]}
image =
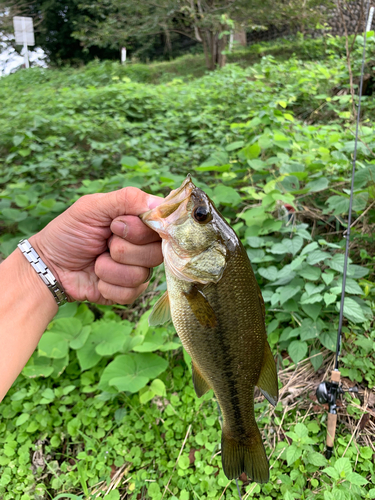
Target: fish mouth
{"points": [[173, 209]]}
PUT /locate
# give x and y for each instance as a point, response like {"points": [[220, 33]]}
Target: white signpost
{"points": [[123, 55], [24, 33]]}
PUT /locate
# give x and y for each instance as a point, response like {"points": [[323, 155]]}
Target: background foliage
{"points": [[106, 403]]}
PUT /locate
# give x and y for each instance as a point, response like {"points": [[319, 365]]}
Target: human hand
{"points": [[75, 246]]}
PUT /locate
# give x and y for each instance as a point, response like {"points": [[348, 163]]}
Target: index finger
{"points": [[125, 201]]}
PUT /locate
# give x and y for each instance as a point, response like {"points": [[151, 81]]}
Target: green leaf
{"points": [[158, 387], [24, 417], [356, 479], [226, 195], [329, 298], [129, 161], [329, 339], [352, 310], [250, 152], [293, 453], [52, 345], [297, 350], [106, 338], [317, 185], [270, 273], [343, 464], [184, 462], [234, 145], [287, 292], [13, 214], [22, 200], [331, 472], [131, 372], [312, 310], [308, 272], [316, 459], [317, 256], [316, 359]]}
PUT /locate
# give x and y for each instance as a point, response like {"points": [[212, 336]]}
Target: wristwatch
{"points": [[44, 273]]}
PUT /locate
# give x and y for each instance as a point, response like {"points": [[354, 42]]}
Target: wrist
{"points": [[33, 255], [27, 279]]}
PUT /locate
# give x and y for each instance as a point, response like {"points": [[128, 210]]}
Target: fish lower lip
{"points": [[156, 225]]}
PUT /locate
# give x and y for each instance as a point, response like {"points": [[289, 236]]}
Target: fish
{"points": [[217, 309]]}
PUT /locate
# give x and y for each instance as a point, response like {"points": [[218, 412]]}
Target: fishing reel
{"points": [[328, 392]]}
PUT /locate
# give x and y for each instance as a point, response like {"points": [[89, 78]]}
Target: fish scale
{"points": [[218, 312]]}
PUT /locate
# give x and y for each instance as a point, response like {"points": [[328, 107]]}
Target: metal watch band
{"points": [[44, 273]]}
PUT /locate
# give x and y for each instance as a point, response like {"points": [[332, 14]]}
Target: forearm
{"points": [[26, 308]]}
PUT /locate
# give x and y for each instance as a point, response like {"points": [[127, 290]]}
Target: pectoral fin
{"points": [[267, 381], [201, 307], [200, 384], [161, 313]]}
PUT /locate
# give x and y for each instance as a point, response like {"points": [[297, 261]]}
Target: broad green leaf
{"points": [[317, 459], [288, 292], [309, 248], [24, 417], [317, 256], [312, 310], [329, 339], [234, 145], [329, 298], [301, 430], [53, 345], [13, 214], [80, 340], [316, 359], [250, 152], [297, 350], [293, 453], [226, 195], [352, 310], [317, 185], [356, 479], [270, 273], [131, 372], [34, 371], [129, 161], [158, 387], [343, 464], [308, 272]]}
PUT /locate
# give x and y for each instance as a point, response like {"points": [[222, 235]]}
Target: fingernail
{"points": [[154, 201], [120, 228]]}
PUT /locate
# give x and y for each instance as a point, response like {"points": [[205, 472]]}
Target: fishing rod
{"points": [[328, 392]]}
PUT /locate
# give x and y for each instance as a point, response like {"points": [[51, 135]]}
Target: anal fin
{"points": [[161, 312], [201, 307], [200, 384], [267, 382]]}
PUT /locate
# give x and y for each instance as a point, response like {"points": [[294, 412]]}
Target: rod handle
{"points": [[331, 429]]}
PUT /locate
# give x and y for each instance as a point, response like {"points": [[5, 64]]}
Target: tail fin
{"points": [[247, 455]]}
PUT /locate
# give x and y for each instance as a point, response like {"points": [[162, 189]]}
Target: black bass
{"points": [[217, 309]]}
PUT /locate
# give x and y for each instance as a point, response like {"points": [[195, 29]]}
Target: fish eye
{"points": [[202, 215]]}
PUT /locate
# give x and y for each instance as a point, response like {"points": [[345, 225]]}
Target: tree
{"points": [[115, 22]]}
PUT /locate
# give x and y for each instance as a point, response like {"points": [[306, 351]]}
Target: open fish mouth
{"points": [[173, 210]]}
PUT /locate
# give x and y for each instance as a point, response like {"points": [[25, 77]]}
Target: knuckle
{"points": [[117, 249]]}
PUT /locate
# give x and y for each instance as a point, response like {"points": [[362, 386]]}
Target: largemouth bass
{"points": [[217, 309]]}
